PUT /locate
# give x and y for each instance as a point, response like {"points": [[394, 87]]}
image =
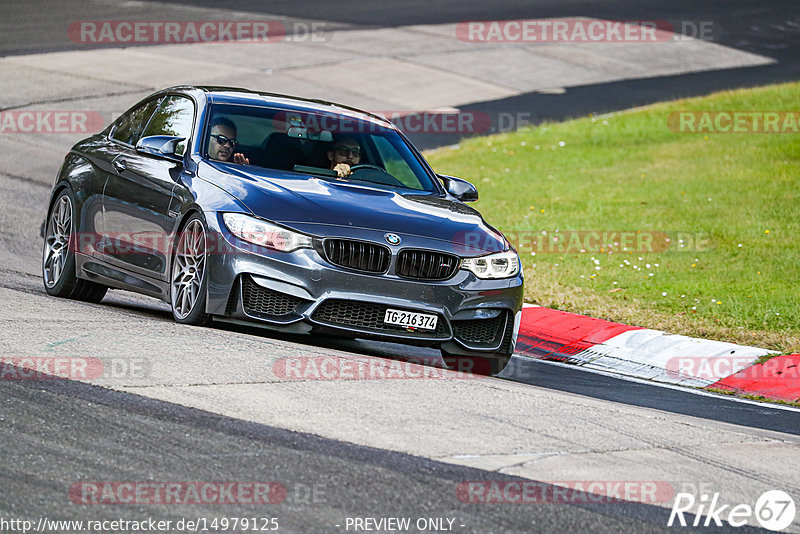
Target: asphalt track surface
{"points": [[56, 432], [116, 436]]}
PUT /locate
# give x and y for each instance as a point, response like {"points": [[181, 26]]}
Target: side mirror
{"points": [[460, 188], [161, 146]]}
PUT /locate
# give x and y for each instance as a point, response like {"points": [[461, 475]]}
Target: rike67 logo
{"points": [[774, 510]]}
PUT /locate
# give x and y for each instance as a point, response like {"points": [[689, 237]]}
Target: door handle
{"points": [[119, 165]]}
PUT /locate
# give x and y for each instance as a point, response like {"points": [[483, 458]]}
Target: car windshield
{"points": [[313, 143]]}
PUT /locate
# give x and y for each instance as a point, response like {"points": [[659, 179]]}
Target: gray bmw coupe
{"points": [[296, 215]]}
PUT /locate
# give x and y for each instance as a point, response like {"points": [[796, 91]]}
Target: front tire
{"points": [[58, 254], [188, 278]]}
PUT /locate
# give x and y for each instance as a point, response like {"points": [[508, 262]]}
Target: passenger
{"points": [[344, 153], [222, 142]]}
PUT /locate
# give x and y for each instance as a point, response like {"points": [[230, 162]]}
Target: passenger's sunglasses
{"points": [[222, 140], [344, 151]]}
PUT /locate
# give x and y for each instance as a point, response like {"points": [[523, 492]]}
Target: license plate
{"points": [[422, 321]]}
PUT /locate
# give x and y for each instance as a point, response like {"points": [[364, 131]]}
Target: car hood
{"points": [[314, 205]]}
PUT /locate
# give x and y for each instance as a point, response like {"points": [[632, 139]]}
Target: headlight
{"points": [[499, 265], [264, 234]]}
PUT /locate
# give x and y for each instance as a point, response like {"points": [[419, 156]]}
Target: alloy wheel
{"points": [[188, 268], [57, 241]]}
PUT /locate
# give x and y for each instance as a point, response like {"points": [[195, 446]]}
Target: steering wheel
{"points": [[384, 178], [367, 166]]}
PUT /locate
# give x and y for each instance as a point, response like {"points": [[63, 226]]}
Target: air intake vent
{"points": [[485, 333], [262, 302], [426, 265], [357, 255], [369, 316]]}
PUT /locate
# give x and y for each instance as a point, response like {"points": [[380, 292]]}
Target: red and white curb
{"points": [[777, 378], [647, 354]]}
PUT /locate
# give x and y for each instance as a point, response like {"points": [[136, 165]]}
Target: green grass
{"points": [[740, 193]]}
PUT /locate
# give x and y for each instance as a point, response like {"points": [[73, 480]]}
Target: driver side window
{"points": [[129, 129], [175, 117]]}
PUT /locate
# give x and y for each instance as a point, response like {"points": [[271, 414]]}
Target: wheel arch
{"points": [[57, 189], [76, 167]]}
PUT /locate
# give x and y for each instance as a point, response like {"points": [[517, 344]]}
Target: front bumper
{"points": [[301, 292]]}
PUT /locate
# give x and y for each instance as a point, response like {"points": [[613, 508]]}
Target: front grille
{"points": [[426, 265], [357, 255], [481, 331], [262, 302], [368, 316]]}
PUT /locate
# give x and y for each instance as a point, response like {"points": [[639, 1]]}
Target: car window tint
{"points": [[252, 131], [175, 117], [129, 129], [277, 138], [394, 163]]}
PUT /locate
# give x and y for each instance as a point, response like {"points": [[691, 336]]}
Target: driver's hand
{"points": [[241, 159], [343, 170]]}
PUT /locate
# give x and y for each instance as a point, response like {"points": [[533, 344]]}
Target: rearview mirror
{"points": [[460, 188], [300, 132], [162, 146]]}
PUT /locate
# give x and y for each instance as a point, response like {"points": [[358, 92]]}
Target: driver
{"points": [[344, 153], [222, 142]]}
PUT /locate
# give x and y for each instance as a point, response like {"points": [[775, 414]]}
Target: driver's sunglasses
{"points": [[222, 140], [345, 151]]}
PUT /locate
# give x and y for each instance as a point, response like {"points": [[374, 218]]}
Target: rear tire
{"points": [[488, 364], [58, 254]]}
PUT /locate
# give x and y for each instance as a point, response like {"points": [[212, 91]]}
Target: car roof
{"points": [[237, 95]]}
